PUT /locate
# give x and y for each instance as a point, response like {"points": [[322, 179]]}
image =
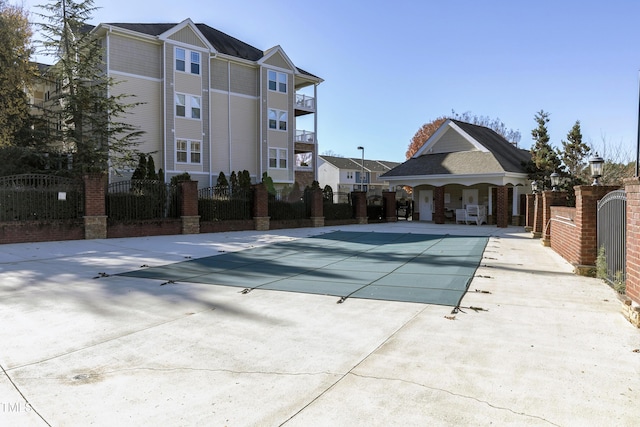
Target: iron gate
{"points": [[612, 234]]}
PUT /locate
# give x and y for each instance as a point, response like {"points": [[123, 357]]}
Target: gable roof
{"points": [[498, 155], [221, 42]]}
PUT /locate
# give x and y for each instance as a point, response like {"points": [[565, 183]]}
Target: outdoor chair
{"points": [[461, 215], [476, 213]]}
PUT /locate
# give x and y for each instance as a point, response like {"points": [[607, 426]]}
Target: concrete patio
{"points": [[532, 344]]}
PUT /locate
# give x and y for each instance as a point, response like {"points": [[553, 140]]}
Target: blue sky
{"points": [[390, 67]]}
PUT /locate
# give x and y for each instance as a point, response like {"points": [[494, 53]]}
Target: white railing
{"points": [[305, 136], [305, 102]]}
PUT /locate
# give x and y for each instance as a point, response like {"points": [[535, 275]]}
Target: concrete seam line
{"points": [[23, 396], [355, 366]]}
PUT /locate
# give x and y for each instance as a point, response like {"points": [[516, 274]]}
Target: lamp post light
{"points": [[555, 180], [362, 170], [534, 186], [596, 162]]}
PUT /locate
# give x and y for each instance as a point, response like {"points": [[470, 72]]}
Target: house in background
{"points": [[464, 164], [212, 103], [344, 175]]}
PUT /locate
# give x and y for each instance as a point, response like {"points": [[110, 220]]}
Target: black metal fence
{"points": [[612, 236], [40, 197], [338, 206], [215, 204], [141, 200]]}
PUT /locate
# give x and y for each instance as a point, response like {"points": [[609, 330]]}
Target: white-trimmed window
{"points": [[182, 55], [349, 175], [278, 158], [188, 151], [277, 81], [188, 106], [277, 119]]}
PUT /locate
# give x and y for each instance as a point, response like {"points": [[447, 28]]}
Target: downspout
{"points": [[229, 111], [315, 130], [164, 109], [210, 111], [260, 102]]}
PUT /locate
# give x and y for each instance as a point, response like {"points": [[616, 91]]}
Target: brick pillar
{"points": [[529, 212], [189, 207], [550, 198], [317, 207], [359, 201], [631, 307], [537, 216], [389, 203], [438, 200], [502, 207], [260, 207], [95, 212], [586, 221]]}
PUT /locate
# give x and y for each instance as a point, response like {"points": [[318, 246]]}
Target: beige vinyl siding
{"points": [[188, 129], [277, 60], [219, 75], [188, 83], [146, 116], [452, 142], [188, 36], [244, 80], [244, 134], [219, 132], [132, 56]]}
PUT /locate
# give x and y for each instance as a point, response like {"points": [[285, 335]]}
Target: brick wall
{"points": [[632, 188], [564, 237], [502, 203], [438, 201], [41, 231]]}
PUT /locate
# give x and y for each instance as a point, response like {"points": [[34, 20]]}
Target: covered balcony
{"points": [[304, 104], [305, 137]]}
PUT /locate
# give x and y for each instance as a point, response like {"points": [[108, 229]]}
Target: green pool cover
{"points": [[422, 268]]}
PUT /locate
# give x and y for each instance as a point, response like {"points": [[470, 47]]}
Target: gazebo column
{"points": [[438, 200]]}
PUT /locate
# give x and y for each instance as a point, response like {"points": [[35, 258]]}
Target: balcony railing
{"points": [[305, 102], [305, 136]]}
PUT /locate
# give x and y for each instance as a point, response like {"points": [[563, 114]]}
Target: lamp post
{"points": [[595, 163], [555, 180], [534, 187], [362, 171]]}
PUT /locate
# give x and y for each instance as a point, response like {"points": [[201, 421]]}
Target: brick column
{"points": [[502, 207], [189, 207], [317, 207], [260, 207], [550, 198], [529, 212], [389, 203], [95, 212], [631, 307], [438, 201], [537, 216], [586, 221], [359, 201]]}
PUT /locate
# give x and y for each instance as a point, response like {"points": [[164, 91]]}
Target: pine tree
{"points": [[233, 183], [574, 152], [16, 72], [91, 111], [544, 159], [141, 169]]}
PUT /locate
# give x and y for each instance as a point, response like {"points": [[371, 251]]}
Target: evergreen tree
{"points": [[222, 185], [91, 110], [16, 72], [245, 180], [141, 169], [151, 169], [544, 159], [233, 183], [268, 183], [574, 152]]}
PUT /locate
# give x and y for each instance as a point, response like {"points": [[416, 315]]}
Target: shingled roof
{"points": [[501, 157], [222, 42]]}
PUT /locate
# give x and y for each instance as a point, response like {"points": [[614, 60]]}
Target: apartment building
{"points": [[345, 174], [212, 103]]}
